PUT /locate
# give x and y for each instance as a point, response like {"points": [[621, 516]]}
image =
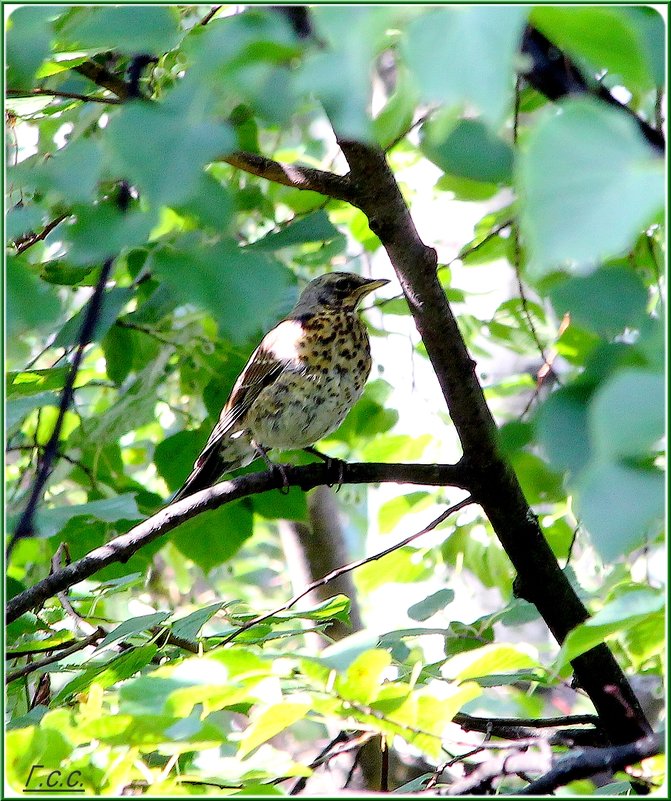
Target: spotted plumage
{"points": [[298, 385]]}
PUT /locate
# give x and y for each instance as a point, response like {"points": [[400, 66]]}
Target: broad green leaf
{"points": [[172, 179], [69, 175], [276, 505], [117, 345], [187, 627], [562, 423], [588, 183], [393, 511], [605, 36], [363, 678], [113, 302], [19, 408], [433, 603], [626, 416], [269, 722], [315, 227], [212, 538], [126, 29], [106, 675], [441, 43], [122, 507], [31, 304], [28, 38], [470, 151], [174, 456], [175, 735], [339, 75], [621, 506], [607, 301], [625, 612], [21, 220], [405, 565], [490, 659], [247, 293], [103, 231], [133, 626]]}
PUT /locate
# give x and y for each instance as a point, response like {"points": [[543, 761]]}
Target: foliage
{"points": [[568, 201]]}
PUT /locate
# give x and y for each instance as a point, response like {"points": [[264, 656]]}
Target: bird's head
{"points": [[337, 291]]}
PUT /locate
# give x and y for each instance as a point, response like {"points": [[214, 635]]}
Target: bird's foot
{"points": [[331, 464], [274, 467]]}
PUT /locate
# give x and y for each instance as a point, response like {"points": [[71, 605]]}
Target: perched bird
{"points": [[298, 385]]}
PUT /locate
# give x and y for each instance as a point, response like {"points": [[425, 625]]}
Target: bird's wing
{"points": [[278, 350]]}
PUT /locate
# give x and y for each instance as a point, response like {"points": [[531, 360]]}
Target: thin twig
{"points": [[39, 92], [26, 524], [209, 15], [31, 667], [121, 548], [334, 574], [48, 228]]}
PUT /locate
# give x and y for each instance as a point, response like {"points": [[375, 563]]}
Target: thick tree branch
{"points": [[123, 547], [496, 488], [530, 728], [293, 175], [585, 763], [102, 77]]}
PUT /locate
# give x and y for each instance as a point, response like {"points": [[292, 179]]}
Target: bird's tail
{"points": [[208, 468]]}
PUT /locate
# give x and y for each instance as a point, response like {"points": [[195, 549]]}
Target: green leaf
{"points": [[174, 456], [125, 29], [247, 293], [122, 507], [393, 511], [433, 603], [338, 75], [469, 150], [465, 56], [28, 40], [113, 302], [212, 538], [363, 678], [70, 175], [315, 227], [625, 612], [589, 183], [106, 675], [103, 231], [133, 626], [276, 505], [405, 565], [139, 131], [606, 36], [21, 220], [30, 302], [271, 721], [19, 408], [607, 301], [627, 414], [490, 659], [562, 424], [117, 345], [620, 506]]}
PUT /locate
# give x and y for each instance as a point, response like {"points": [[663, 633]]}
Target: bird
{"points": [[299, 383]]}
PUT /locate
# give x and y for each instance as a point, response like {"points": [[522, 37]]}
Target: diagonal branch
{"points": [[123, 547], [293, 175], [25, 525]]}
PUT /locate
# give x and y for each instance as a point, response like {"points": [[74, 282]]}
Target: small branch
{"points": [[48, 228], [39, 92], [589, 761], [209, 15], [102, 77], [293, 175], [26, 524], [334, 574], [123, 547], [31, 667], [530, 728]]}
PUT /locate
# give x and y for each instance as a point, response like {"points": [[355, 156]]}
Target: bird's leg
{"points": [[330, 462], [263, 453]]}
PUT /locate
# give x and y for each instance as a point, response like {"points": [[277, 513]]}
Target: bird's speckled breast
{"points": [[313, 395]]}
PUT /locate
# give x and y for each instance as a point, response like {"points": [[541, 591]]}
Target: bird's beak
{"points": [[373, 284]]}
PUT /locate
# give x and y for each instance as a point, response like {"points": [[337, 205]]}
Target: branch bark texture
{"points": [[123, 547], [494, 484]]}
